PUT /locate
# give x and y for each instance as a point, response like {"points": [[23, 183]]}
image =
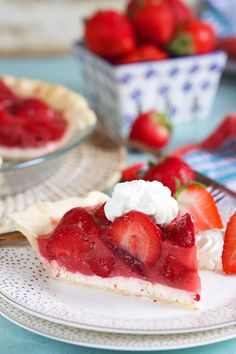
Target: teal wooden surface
{"points": [[65, 70]]}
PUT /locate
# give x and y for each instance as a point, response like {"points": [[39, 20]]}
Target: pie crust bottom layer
{"points": [[125, 286]]}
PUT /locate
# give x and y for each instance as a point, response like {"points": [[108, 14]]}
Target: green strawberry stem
{"points": [[151, 164], [181, 45], [163, 119], [180, 188]]}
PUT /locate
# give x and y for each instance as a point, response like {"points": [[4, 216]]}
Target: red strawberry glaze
{"points": [[28, 122], [81, 243]]}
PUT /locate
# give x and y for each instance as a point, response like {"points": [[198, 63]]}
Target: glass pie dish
{"points": [[40, 124], [16, 177]]}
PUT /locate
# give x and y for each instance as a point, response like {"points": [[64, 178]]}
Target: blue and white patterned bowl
{"points": [[182, 87]]}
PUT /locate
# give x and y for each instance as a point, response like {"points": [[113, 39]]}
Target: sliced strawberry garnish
{"points": [[229, 249], [133, 172], [34, 108], [198, 201], [182, 232], [178, 260], [137, 234]]}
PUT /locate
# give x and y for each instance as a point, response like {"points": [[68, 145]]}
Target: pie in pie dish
{"points": [[37, 118], [132, 243]]}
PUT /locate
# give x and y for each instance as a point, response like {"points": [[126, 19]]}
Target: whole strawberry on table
{"points": [[152, 129], [148, 30]]}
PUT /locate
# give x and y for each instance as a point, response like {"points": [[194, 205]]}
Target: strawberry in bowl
{"points": [[37, 118], [193, 37], [153, 21], [156, 55], [109, 34]]}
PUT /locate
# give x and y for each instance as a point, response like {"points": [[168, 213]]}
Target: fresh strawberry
{"points": [[229, 249], [137, 234], [153, 20], [198, 201], [109, 34], [194, 37], [130, 58], [146, 52], [151, 128], [182, 231], [181, 10], [178, 263], [35, 109], [172, 171], [133, 172]]}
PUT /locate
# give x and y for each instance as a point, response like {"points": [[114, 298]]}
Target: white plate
{"points": [[113, 341], [25, 284]]}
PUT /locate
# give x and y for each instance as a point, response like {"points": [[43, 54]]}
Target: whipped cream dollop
{"points": [[209, 249], [151, 198]]}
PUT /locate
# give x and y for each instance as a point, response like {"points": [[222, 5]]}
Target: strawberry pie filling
{"points": [[132, 246], [28, 122]]}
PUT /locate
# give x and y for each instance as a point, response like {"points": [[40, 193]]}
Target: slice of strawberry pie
{"points": [[37, 118], [118, 243]]}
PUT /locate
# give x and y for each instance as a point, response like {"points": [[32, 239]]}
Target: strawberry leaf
{"points": [[151, 164], [180, 188], [162, 119]]}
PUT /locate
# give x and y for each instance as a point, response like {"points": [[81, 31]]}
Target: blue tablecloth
{"points": [[65, 70]]}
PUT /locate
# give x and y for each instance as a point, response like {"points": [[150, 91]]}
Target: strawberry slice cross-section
{"points": [[198, 201], [136, 233], [229, 249]]}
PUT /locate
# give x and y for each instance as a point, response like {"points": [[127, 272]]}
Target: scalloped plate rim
{"points": [[199, 343]]}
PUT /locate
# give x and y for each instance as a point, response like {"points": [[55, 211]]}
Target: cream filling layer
{"points": [[126, 286]]}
